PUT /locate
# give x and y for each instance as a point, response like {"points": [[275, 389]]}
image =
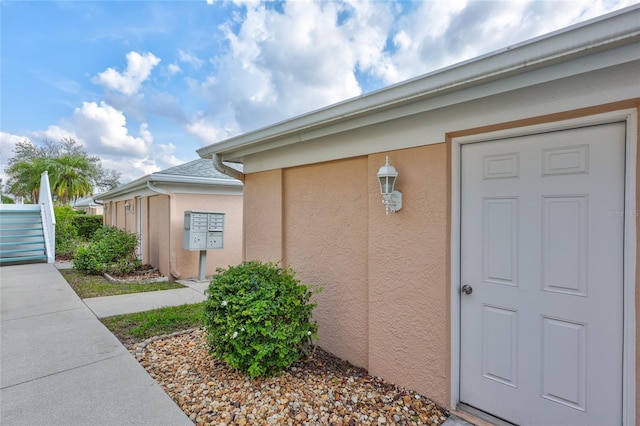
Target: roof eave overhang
{"points": [[610, 31], [140, 187]]}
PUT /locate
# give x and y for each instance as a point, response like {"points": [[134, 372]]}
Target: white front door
{"points": [[542, 228]]}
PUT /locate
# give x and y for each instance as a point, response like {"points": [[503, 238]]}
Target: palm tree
{"points": [[72, 172], [71, 177], [24, 178]]}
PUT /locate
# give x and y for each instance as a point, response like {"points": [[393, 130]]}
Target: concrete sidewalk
{"points": [[138, 302], [61, 366]]}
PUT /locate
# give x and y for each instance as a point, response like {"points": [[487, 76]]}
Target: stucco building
{"points": [[88, 206], [154, 206], [506, 284]]}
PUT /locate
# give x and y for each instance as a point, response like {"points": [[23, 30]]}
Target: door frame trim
{"points": [[630, 117]]}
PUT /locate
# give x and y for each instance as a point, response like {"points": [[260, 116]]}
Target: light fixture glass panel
{"points": [[386, 184]]}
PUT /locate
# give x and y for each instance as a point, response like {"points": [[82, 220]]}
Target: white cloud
{"points": [[438, 34], [103, 129], [286, 59], [55, 133], [284, 64], [145, 134], [131, 168], [190, 58], [139, 68], [7, 144], [207, 131], [173, 69]]}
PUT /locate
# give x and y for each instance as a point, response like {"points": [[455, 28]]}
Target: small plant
{"points": [[258, 317], [87, 225], [67, 239], [111, 250]]}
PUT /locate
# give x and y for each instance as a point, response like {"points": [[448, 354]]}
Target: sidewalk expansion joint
{"points": [[65, 370], [44, 313]]}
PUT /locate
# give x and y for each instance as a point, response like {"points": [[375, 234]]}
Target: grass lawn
{"points": [[95, 285], [134, 328]]}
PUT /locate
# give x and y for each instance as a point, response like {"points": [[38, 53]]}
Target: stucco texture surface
{"points": [[325, 220], [409, 326], [385, 299], [263, 216], [158, 218], [188, 262]]}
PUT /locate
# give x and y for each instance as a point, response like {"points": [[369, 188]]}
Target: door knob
{"points": [[467, 289]]}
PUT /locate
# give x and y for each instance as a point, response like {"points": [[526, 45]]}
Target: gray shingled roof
{"points": [[201, 167]]}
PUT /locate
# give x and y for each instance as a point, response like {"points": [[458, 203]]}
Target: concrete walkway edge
{"points": [[107, 306], [61, 366]]}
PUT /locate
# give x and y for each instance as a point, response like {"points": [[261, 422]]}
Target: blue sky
{"points": [[143, 84]]}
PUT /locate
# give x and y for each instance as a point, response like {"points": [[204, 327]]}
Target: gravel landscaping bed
{"points": [[320, 390]]}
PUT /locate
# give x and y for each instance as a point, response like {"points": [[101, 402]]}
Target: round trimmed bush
{"points": [[258, 317]]}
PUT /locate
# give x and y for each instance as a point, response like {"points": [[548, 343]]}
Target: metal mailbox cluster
{"points": [[203, 230]]}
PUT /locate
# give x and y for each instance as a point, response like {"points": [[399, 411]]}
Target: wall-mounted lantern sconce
{"points": [[127, 206], [391, 199]]}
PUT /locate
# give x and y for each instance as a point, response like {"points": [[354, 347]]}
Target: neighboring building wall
{"points": [[157, 235], [92, 210], [130, 216], [120, 219], [144, 237], [188, 262]]}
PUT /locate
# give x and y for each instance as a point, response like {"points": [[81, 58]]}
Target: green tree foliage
{"points": [[87, 225], [258, 317], [67, 238], [72, 177], [110, 250], [24, 178], [72, 172]]}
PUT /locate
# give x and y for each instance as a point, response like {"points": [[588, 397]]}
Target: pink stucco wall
{"points": [[120, 219], [144, 237], [158, 241], [263, 216], [187, 262], [162, 222], [385, 301], [409, 303], [325, 217]]}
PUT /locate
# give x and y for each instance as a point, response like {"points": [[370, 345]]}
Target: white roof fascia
{"points": [[606, 32], [139, 187], [132, 187], [162, 178]]}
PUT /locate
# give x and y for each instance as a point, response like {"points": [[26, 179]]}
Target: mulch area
{"points": [[319, 390]]}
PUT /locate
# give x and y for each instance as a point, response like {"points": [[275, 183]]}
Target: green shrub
{"points": [[67, 240], [87, 225], [258, 317], [110, 250]]}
